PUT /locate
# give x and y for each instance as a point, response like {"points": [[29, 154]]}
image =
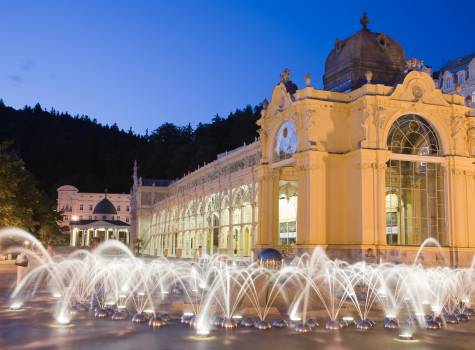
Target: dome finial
{"points": [[364, 21], [105, 193]]}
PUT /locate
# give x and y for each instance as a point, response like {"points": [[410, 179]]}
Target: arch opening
{"points": [[415, 203]]}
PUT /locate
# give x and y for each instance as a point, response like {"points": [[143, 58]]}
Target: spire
{"points": [[105, 193], [364, 21], [135, 176]]}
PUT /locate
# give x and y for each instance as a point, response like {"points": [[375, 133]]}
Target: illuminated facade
{"points": [[368, 167], [90, 218]]}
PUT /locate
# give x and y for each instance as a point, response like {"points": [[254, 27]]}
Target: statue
{"points": [[308, 79], [369, 76], [285, 75]]}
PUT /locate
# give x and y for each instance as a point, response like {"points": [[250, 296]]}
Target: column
{"points": [[72, 239], [265, 188], [382, 158], [230, 238], [459, 191], [311, 204]]}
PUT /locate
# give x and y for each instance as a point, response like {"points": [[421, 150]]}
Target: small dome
{"points": [[105, 207], [67, 188], [270, 254], [349, 62]]}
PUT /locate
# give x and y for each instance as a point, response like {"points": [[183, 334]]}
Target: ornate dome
{"points": [[270, 254], [105, 207], [349, 62]]}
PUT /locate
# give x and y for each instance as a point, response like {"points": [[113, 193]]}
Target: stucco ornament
{"points": [[417, 92], [364, 117], [471, 140], [456, 125]]}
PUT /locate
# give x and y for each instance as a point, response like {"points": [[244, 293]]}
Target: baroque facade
{"points": [[369, 167]]}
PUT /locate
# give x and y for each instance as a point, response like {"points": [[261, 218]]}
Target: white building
{"points": [[92, 217], [458, 75], [75, 205], [104, 226]]}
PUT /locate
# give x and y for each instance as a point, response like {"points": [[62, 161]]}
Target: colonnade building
{"points": [[369, 167]]}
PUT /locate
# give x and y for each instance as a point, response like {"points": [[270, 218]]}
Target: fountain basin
{"points": [[364, 324], [228, 323], [101, 313], [156, 322], [262, 325], [333, 325], [280, 323], [247, 322], [140, 318], [120, 315], [391, 323], [302, 328]]}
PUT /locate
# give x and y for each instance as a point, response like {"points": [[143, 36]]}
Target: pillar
{"points": [[230, 240], [311, 204], [265, 190]]}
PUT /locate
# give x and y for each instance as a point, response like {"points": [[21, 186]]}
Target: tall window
{"points": [[286, 142], [414, 183], [462, 78], [288, 212]]}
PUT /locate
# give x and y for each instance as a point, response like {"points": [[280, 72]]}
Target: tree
{"points": [[59, 148], [22, 204]]}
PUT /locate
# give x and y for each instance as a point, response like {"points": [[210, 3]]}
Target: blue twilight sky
{"points": [[141, 63]]}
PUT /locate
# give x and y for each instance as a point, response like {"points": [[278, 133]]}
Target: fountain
{"points": [[216, 292]]}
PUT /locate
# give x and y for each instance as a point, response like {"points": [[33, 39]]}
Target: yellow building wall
{"points": [[341, 163]]}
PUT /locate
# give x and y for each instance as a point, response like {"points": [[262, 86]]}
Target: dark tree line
{"points": [[62, 149], [22, 203]]}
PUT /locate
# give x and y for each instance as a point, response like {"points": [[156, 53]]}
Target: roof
{"points": [[105, 206], [457, 64], [156, 182], [88, 222], [67, 188], [365, 51]]}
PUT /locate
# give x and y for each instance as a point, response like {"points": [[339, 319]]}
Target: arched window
{"points": [[415, 206], [286, 142], [411, 134]]}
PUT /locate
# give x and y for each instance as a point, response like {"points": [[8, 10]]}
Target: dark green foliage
{"points": [[22, 204], [60, 149]]}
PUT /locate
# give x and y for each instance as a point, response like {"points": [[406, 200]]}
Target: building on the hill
{"points": [[91, 212], [368, 167], [458, 76]]}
